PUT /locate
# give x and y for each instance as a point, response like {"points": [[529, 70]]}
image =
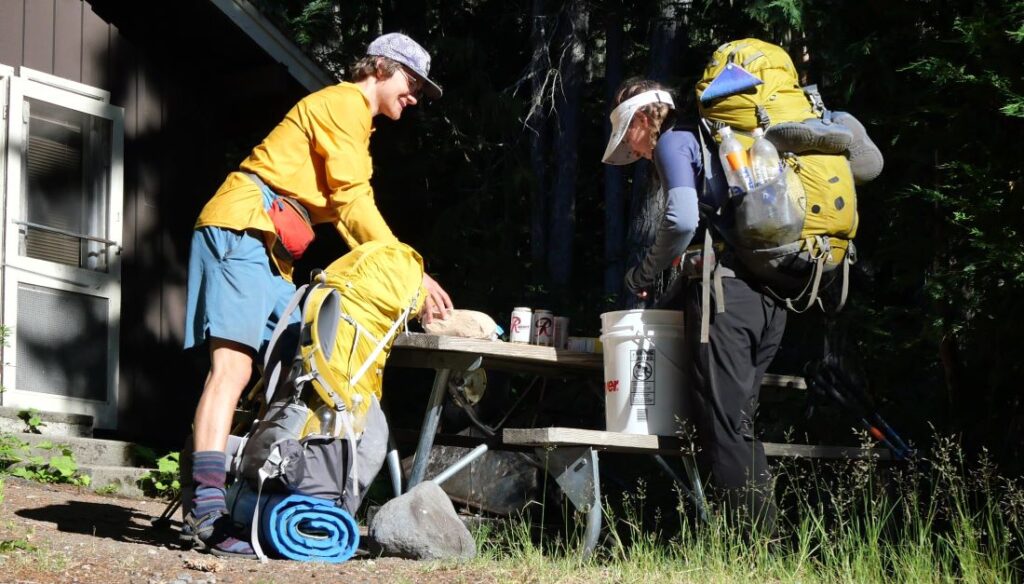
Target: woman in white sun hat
{"points": [[745, 325]]}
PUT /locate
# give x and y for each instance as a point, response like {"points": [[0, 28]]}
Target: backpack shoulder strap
{"points": [[711, 271], [272, 361]]}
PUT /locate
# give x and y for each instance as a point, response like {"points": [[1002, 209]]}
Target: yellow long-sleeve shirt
{"points": [[319, 154]]}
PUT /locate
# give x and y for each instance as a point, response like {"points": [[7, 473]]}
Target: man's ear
{"points": [[380, 73]]}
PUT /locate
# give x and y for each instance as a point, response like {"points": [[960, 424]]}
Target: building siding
{"points": [[182, 114]]}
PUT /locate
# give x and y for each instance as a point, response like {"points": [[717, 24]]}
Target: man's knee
{"points": [[230, 365]]}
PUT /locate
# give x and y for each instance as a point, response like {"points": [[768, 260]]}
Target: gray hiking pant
{"points": [[726, 378]]}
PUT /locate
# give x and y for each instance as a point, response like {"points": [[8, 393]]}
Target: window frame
{"points": [[18, 86]]}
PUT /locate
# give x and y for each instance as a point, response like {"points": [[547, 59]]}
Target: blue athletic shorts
{"points": [[234, 291]]}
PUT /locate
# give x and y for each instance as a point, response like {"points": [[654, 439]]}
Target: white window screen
{"points": [[62, 342], [66, 187]]}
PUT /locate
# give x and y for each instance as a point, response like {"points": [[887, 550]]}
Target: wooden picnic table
{"points": [[570, 453]]}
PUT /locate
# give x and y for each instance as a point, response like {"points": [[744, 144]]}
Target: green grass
{"points": [[938, 521]]}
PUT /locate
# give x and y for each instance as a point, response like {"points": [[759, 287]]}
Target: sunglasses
{"points": [[415, 84]]}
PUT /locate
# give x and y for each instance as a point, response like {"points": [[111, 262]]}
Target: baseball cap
{"points": [[618, 152], [398, 47]]}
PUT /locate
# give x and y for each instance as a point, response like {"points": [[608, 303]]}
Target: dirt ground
{"points": [[59, 533]]}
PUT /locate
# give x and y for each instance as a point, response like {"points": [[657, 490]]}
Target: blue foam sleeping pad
{"points": [[297, 527]]}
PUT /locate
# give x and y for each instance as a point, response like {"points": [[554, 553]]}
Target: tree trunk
{"points": [[537, 124], [614, 203], [666, 39], [562, 215]]}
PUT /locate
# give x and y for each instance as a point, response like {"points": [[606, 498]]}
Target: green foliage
{"points": [[13, 545], [940, 90], [12, 450], [33, 421], [163, 482], [777, 13], [59, 468], [946, 520], [110, 489]]}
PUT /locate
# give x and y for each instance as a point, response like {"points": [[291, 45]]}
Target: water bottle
{"points": [[735, 162], [327, 418], [764, 159]]}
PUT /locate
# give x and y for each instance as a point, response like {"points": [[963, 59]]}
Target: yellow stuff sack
{"points": [[779, 96]]}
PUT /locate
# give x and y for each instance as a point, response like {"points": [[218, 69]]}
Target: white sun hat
{"points": [[618, 152]]}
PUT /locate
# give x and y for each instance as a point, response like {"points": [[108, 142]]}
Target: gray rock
{"points": [[422, 525]]}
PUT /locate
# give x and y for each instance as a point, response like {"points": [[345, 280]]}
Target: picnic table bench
{"points": [[571, 454]]}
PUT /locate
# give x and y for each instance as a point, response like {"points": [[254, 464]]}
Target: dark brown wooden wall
{"points": [[197, 95]]}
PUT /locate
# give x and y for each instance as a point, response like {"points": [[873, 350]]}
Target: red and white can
{"points": [[543, 328], [521, 328], [561, 332]]}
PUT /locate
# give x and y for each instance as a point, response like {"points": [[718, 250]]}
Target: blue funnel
{"points": [[733, 79]]}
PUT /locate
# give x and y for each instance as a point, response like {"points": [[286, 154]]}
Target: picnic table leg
{"points": [[394, 468], [698, 488], [696, 494], [429, 429], [576, 471]]}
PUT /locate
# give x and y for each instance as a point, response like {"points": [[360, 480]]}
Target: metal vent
{"points": [[62, 343]]}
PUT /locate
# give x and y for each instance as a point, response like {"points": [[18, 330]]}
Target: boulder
{"points": [[421, 525]]}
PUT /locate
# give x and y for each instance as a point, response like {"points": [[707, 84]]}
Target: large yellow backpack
{"points": [[351, 314], [321, 431], [821, 185]]}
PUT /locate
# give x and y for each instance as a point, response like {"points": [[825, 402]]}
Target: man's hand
{"points": [[438, 304]]}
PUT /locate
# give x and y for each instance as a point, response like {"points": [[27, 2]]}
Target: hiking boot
{"points": [[865, 158], [811, 135], [187, 535], [215, 533]]}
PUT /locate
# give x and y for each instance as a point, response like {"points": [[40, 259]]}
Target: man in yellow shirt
{"points": [[240, 265]]}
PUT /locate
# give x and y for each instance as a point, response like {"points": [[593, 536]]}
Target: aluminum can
{"points": [[543, 328], [521, 327], [561, 332]]}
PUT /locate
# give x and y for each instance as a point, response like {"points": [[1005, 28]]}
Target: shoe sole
{"points": [[866, 161], [223, 554], [800, 137]]}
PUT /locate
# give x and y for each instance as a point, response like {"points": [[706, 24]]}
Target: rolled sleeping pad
{"points": [[298, 527]]}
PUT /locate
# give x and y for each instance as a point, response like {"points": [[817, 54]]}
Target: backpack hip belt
{"points": [[702, 262]]}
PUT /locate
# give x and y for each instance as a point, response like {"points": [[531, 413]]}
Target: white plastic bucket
{"points": [[644, 371]]}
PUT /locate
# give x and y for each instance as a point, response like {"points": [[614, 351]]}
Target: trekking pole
{"points": [[827, 378], [876, 425], [889, 437], [164, 520]]}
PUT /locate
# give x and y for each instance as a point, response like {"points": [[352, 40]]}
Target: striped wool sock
{"points": [[209, 508]]}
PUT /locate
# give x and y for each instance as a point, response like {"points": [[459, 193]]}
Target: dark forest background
{"points": [[500, 186]]}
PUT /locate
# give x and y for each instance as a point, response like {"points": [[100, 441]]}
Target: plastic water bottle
{"points": [[735, 162], [764, 159], [327, 418]]}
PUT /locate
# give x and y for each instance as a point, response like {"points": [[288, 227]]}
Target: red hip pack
{"points": [[291, 222]]}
